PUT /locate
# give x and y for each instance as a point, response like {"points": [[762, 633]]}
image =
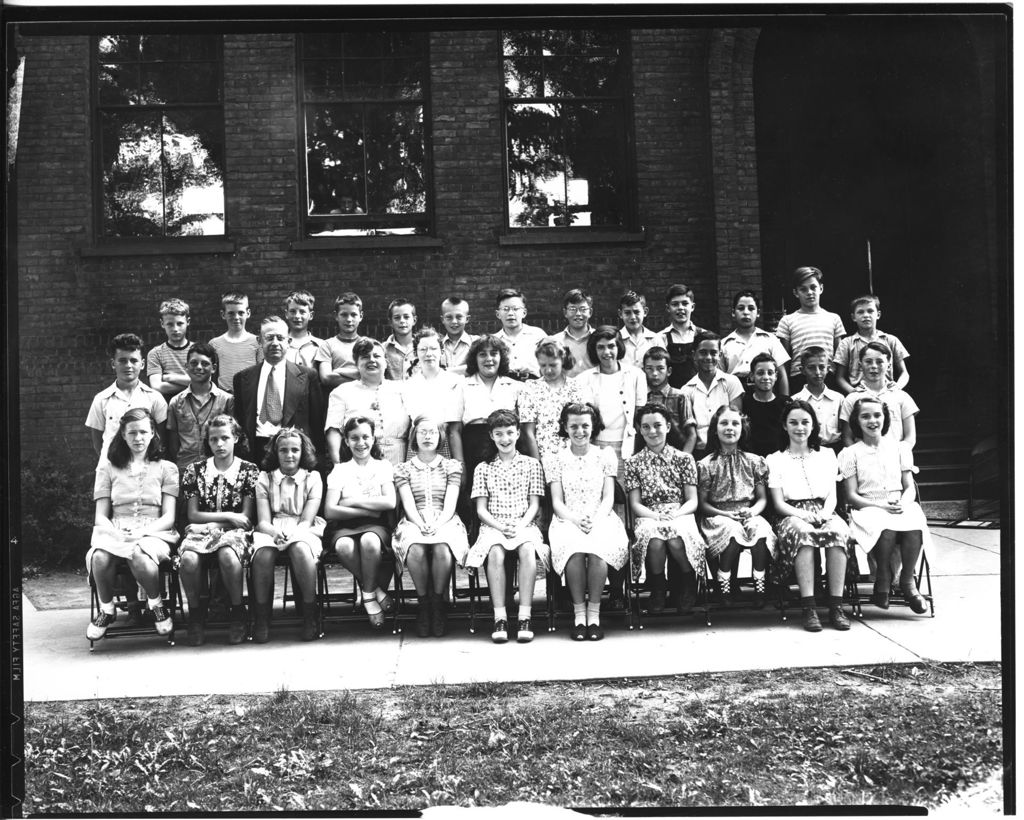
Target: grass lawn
{"points": [[896, 735]]}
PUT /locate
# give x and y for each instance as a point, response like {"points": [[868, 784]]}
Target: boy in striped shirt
{"points": [[810, 326]]}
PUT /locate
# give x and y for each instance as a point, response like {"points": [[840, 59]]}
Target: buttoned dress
{"points": [[219, 491], [287, 497], [730, 481], [429, 482]]}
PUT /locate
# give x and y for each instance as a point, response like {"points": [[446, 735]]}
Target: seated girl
{"points": [[288, 498], [802, 481], [878, 475], [430, 537], [586, 535], [507, 492], [662, 486], [135, 494], [360, 493], [221, 495], [732, 496]]}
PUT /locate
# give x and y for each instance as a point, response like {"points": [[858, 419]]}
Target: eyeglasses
{"points": [[511, 309], [577, 309]]}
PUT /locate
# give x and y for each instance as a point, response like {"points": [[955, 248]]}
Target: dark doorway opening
{"points": [[870, 128]]}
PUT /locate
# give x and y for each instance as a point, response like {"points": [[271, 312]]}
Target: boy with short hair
{"points": [[763, 407], [334, 358], [637, 338], [825, 401], [236, 349], [127, 392], [577, 307], [299, 306], [810, 325], [190, 410], [165, 364], [876, 361], [398, 347], [710, 388], [456, 341], [521, 338], [866, 311], [747, 340], [679, 337], [657, 367]]}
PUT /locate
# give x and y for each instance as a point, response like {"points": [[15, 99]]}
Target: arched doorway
{"points": [[869, 128]]}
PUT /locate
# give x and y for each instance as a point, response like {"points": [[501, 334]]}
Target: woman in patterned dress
{"points": [[662, 486], [802, 482], [586, 536], [731, 497], [430, 536]]}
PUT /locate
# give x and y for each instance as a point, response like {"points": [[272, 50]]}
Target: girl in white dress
{"points": [[586, 535], [878, 473]]}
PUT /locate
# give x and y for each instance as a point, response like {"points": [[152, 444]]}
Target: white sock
{"points": [[155, 602], [724, 578], [579, 614], [758, 574], [594, 613], [499, 614], [524, 612], [108, 607]]}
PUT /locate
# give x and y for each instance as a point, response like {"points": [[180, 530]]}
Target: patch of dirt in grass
{"points": [[56, 588], [912, 735]]}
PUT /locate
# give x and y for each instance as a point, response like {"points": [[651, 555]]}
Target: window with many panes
{"points": [[160, 121], [364, 97], [565, 97]]}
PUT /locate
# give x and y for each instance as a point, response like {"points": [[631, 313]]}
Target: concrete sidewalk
{"points": [[966, 627]]}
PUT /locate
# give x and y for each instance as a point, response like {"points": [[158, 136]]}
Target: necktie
{"points": [[271, 410]]}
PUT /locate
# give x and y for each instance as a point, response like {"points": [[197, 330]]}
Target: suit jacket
{"points": [[302, 405]]}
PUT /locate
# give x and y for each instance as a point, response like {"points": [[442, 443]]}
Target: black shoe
{"points": [[688, 597], [579, 632], [500, 632], [261, 629], [837, 618], [594, 632], [524, 634], [237, 626], [880, 597], [136, 614], [423, 617], [439, 616], [196, 632], [310, 628], [914, 598], [811, 622], [657, 602]]}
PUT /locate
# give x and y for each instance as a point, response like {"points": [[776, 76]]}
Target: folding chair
{"points": [[170, 592]]}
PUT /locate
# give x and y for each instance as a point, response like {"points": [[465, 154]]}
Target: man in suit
{"points": [[278, 393]]}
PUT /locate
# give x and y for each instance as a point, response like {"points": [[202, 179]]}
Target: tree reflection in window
{"points": [[161, 129], [565, 124], [365, 139]]}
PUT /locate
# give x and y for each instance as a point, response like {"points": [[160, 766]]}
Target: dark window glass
{"points": [[566, 128], [161, 135], [364, 98]]}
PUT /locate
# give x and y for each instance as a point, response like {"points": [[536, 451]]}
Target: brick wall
{"points": [[70, 304]]}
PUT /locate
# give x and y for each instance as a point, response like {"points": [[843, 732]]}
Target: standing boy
{"points": [[678, 338], [810, 326], [638, 339], [165, 364], [710, 388], [577, 307], [456, 341], [125, 393], [865, 312], [657, 368], [825, 401], [747, 340], [298, 313], [334, 358], [763, 406], [521, 338], [398, 347], [193, 407], [236, 349]]}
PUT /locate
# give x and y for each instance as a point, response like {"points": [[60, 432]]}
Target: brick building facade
{"points": [[695, 181]]}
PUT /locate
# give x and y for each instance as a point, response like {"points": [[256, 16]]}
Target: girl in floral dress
{"points": [[662, 486], [802, 482], [731, 494], [221, 496], [541, 401], [135, 495], [288, 498], [430, 536], [585, 534]]}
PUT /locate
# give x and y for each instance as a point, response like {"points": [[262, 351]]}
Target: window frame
{"points": [[630, 230], [129, 245], [366, 222]]}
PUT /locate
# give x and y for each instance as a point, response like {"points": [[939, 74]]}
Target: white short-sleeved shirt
{"points": [[737, 352], [351, 479], [522, 348], [475, 401], [848, 353], [826, 408], [706, 400], [803, 477], [109, 405], [901, 406]]}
